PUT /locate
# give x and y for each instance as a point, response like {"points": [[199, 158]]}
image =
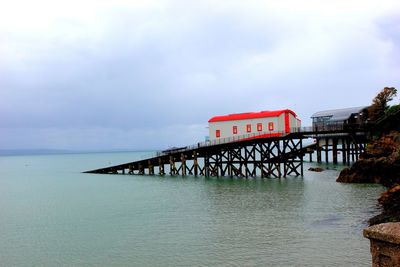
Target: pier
{"points": [[256, 155]]}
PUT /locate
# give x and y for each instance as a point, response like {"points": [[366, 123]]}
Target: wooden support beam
{"points": [[334, 150], [230, 164], [130, 169], [344, 151], [195, 163], [161, 166], [301, 158], [357, 148], [141, 169], [183, 164], [206, 166], [319, 160], [292, 157], [151, 167], [326, 150], [348, 145], [264, 173], [172, 166]]}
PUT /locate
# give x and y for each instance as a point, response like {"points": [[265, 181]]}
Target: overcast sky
{"points": [[148, 74]]}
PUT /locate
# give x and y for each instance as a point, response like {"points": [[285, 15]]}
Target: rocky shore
{"points": [[380, 164]]}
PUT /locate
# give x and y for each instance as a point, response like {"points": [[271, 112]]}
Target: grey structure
{"points": [[355, 115], [350, 143]]}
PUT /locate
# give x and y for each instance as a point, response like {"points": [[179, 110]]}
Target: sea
{"points": [[52, 214]]}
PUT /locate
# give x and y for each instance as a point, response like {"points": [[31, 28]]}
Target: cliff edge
{"points": [[380, 164]]}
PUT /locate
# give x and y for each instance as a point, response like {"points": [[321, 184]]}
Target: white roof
{"points": [[339, 114]]}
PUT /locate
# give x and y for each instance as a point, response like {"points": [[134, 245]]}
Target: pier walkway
{"points": [[257, 155]]}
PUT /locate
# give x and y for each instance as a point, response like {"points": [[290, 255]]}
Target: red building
{"points": [[264, 123]]}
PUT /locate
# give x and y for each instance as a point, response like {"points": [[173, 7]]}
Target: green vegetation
{"points": [[380, 105], [380, 163], [392, 109]]}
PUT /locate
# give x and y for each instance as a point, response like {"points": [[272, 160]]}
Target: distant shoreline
{"points": [[31, 152]]}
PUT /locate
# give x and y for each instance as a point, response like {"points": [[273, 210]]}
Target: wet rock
{"points": [[379, 164], [390, 201], [316, 169], [364, 171]]}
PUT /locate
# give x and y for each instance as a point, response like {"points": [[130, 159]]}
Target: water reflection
{"points": [[117, 220]]}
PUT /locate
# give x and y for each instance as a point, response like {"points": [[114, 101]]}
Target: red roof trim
{"points": [[251, 115]]}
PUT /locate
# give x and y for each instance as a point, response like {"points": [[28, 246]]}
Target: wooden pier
{"points": [[252, 155], [333, 148]]}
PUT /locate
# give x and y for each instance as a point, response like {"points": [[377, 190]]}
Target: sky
{"points": [[138, 75]]}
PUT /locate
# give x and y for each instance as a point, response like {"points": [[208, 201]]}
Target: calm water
{"points": [[52, 215]]}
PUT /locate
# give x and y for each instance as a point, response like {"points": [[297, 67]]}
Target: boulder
{"points": [[379, 164], [316, 169], [390, 201]]}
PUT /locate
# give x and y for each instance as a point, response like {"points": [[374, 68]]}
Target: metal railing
{"points": [[219, 141], [318, 129]]}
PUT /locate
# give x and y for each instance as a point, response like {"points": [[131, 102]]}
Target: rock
{"points": [[384, 217], [391, 198], [362, 171], [390, 201], [379, 164], [317, 169]]}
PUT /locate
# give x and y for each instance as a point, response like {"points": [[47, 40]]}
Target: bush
{"points": [[392, 109], [380, 103]]}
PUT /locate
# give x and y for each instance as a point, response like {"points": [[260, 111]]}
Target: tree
{"points": [[380, 103]]}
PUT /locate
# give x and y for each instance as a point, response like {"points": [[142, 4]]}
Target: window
{"points": [[248, 128], [270, 126], [322, 119], [259, 127], [218, 133], [234, 129]]}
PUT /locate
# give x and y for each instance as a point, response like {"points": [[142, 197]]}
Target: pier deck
{"points": [[261, 155]]}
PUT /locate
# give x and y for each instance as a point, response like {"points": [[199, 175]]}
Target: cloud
{"points": [[72, 72], [102, 138]]}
